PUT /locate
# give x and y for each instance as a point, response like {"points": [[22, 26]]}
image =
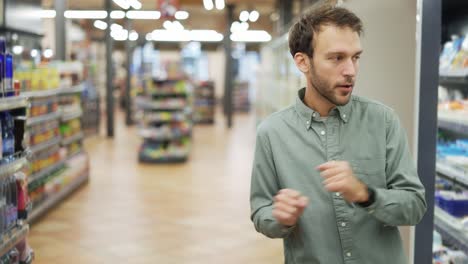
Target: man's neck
{"points": [[317, 102]]}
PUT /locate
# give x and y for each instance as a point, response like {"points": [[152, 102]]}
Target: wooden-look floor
{"points": [[196, 212]]}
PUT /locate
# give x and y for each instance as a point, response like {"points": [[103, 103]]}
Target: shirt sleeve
{"points": [[403, 201], [264, 186]]}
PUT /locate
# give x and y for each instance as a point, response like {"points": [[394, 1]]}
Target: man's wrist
{"points": [[370, 197]]}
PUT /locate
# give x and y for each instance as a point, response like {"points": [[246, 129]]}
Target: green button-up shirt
{"points": [[367, 134]]}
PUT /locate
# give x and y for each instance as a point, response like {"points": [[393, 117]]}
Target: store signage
{"points": [[168, 8]]}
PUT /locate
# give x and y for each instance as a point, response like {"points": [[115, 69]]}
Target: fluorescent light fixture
{"points": [[47, 13], [116, 27], [149, 36], [220, 4], [208, 4], [18, 50], [86, 14], [117, 14], [34, 53], [167, 25], [205, 36], [135, 4], [244, 26], [254, 15], [100, 24], [171, 35], [133, 36], [143, 14], [181, 15], [235, 26], [48, 53], [185, 36], [119, 35], [244, 16], [251, 36], [176, 25], [122, 3]]}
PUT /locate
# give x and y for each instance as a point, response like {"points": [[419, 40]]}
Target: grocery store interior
{"points": [[128, 127]]}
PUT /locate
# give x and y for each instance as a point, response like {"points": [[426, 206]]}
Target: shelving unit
{"points": [[165, 121], [204, 103], [54, 174], [11, 168], [241, 97], [451, 229]]}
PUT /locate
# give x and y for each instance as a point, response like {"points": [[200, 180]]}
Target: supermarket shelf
{"points": [[148, 134], [12, 167], [175, 79], [450, 124], [55, 199], [450, 228], [43, 93], [46, 171], [73, 115], [454, 77], [13, 238], [52, 92], [14, 102], [45, 145], [74, 89], [205, 122], [452, 174], [43, 118], [68, 141]]}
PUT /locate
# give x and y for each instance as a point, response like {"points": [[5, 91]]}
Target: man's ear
{"points": [[302, 61]]}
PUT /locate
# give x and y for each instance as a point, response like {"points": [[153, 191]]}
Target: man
{"points": [[332, 174]]}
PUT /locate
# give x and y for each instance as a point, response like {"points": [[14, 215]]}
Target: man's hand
{"points": [[339, 178], [289, 206]]}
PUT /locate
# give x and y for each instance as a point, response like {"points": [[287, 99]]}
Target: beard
{"points": [[331, 91]]}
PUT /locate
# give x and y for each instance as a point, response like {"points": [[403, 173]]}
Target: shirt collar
{"points": [[308, 113]]}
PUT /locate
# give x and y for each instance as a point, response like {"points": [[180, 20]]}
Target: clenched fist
{"points": [[289, 206], [339, 177]]}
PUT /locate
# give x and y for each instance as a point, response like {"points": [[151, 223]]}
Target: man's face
{"points": [[335, 63]]}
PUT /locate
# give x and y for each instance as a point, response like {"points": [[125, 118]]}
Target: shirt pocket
{"points": [[371, 172]]}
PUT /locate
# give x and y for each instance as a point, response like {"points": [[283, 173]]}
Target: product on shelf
{"points": [[44, 132], [455, 203], [204, 103], [43, 106], [8, 136], [241, 97]]}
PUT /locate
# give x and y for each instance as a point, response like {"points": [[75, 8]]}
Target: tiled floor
{"points": [[197, 212]]}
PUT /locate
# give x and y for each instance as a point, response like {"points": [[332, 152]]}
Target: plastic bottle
{"points": [[8, 89], [2, 65], [8, 136]]}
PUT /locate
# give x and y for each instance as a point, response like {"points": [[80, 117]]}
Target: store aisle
{"points": [[130, 213]]}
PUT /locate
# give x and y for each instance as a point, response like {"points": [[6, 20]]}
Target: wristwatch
{"points": [[371, 199]]}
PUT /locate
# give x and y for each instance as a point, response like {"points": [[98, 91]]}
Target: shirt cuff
{"points": [[371, 199]]}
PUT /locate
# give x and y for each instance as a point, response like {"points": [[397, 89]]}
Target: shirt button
{"points": [[344, 116], [348, 254], [343, 224], [313, 115], [322, 133], [337, 194]]}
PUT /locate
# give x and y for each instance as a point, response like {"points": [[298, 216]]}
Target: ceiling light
{"points": [[34, 53], [208, 4], [244, 26], [143, 14], [18, 50], [176, 25], [167, 25], [235, 26], [100, 24], [254, 15], [181, 15], [47, 13], [122, 3], [117, 14], [48, 53], [149, 36], [244, 16], [135, 4], [133, 36], [116, 27], [171, 36], [86, 14], [251, 36], [119, 35], [205, 36], [220, 4]]}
